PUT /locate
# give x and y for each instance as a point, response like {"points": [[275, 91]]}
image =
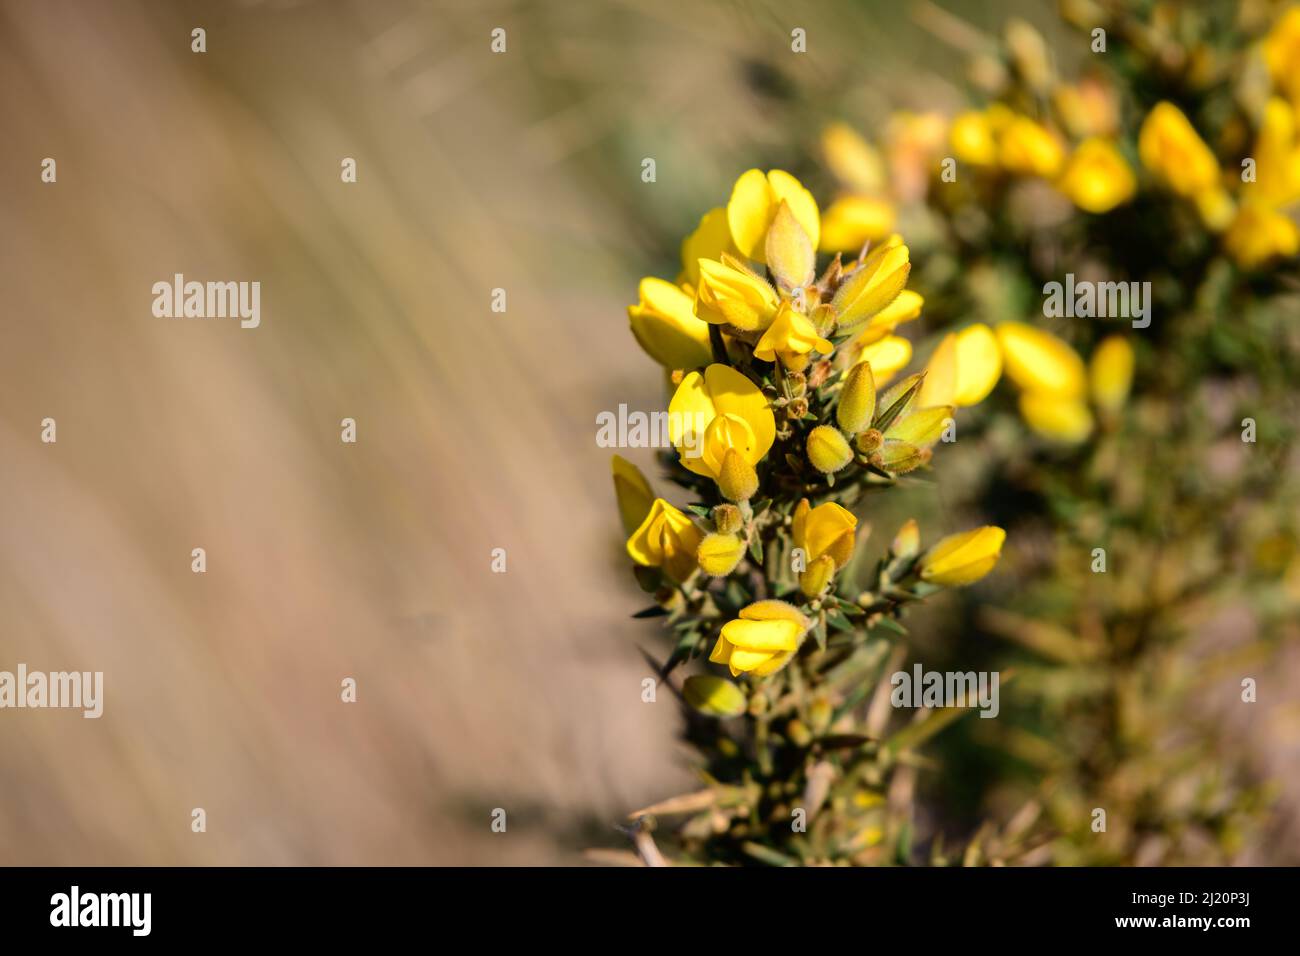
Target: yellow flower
{"points": [[940, 383], [719, 554], [828, 450], [974, 139], [963, 558], [872, 286], [665, 325], [714, 696], [1277, 157], [718, 411], [852, 160], [1097, 179], [762, 640], [711, 238], [979, 364], [1030, 149], [1039, 361], [825, 534], [1057, 417], [792, 338], [666, 539], [755, 200], [853, 221], [632, 491], [888, 357], [730, 294], [1260, 233], [1110, 373], [1282, 52], [1170, 147], [857, 404]]}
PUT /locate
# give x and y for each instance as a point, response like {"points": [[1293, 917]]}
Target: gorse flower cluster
{"points": [[787, 411]]}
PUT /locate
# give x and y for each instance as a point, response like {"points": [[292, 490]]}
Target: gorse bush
{"points": [[786, 419]]}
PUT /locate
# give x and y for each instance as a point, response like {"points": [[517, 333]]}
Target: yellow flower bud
{"points": [[666, 539], [908, 540], [755, 200], [923, 427], [714, 696], [979, 364], [869, 441], [789, 253], [737, 480], [871, 286], [1097, 179], [828, 450], [719, 554], [888, 357], [814, 581], [1029, 148], [857, 405], [632, 491], [731, 294], [792, 338], [853, 221], [727, 519], [762, 640], [1056, 417], [1039, 361], [1170, 147], [666, 327], [963, 558], [1110, 373], [715, 411], [899, 457]]}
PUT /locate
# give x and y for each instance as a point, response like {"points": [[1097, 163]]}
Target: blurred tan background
{"points": [[475, 430]]}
